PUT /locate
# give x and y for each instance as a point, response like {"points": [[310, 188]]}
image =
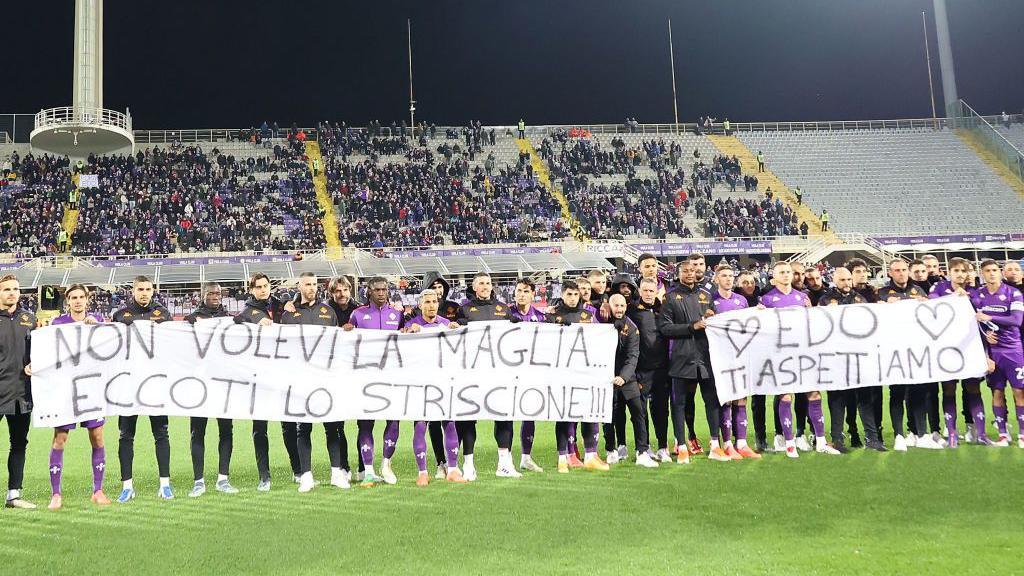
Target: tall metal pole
{"points": [[928, 58], [412, 103], [945, 57], [672, 60]]}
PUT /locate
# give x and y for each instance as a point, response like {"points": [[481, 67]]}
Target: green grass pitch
{"points": [[921, 512]]}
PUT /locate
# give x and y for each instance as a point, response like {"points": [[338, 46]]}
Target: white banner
{"points": [[216, 368], [787, 350], [89, 181]]}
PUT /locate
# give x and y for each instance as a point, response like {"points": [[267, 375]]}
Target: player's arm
{"points": [[628, 371], [672, 323]]}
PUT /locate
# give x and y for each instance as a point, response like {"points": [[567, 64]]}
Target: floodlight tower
{"points": [[945, 58], [84, 127]]}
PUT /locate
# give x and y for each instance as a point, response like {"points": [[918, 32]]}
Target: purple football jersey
{"points": [[1006, 307], [775, 298], [531, 314], [439, 323], [67, 319], [941, 288], [727, 304]]}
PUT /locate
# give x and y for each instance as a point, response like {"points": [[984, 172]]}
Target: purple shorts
{"points": [[1008, 369], [90, 424]]}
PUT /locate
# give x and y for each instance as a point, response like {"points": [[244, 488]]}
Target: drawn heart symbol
{"points": [[746, 330], [928, 318]]}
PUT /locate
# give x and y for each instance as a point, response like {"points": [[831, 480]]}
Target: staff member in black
{"points": [[309, 310], [143, 307], [340, 290], [652, 368], [16, 326], [916, 396], [210, 308], [682, 320], [261, 309], [627, 388], [861, 274], [483, 305], [842, 402]]}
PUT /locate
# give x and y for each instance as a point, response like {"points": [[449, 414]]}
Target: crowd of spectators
{"points": [[32, 194], [419, 204], [181, 199], [657, 207]]}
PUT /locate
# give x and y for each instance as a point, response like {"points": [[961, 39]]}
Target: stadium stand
{"points": [[871, 181]]}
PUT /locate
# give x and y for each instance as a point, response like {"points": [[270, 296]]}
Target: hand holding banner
{"points": [[789, 350]]}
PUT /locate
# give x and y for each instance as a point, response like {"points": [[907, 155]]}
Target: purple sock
{"points": [[817, 417], [56, 468], [526, 432], [390, 438], [451, 445], [1020, 419], [739, 416], [949, 413], [786, 418], [1000, 413], [725, 422], [571, 431], [99, 464], [419, 444], [365, 439], [977, 408]]}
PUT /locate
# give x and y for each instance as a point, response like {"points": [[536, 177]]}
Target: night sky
{"points": [[229, 64]]}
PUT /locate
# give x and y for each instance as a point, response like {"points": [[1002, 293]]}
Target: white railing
{"points": [[226, 134], [70, 115], [5, 138]]}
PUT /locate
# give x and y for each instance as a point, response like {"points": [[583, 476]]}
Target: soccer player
{"points": [[309, 310], [571, 310], [377, 315], [143, 307], [483, 305], [524, 311], [843, 402], [210, 308], [784, 295], [447, 309], [959, 273], [732, 415], [915, 395], [647, 265], [1000, 310], [16, 326], [626, 388], [652, 368], [262, 309], [77, 299], [428, 320]]}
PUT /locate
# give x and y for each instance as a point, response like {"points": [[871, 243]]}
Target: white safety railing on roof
{"points": [[70, 115], [234, 134]]}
